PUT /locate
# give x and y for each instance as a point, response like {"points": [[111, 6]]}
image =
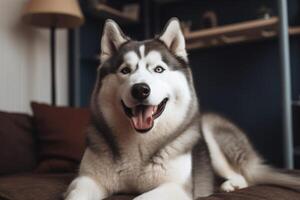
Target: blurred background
{"points": [[234, 51]]}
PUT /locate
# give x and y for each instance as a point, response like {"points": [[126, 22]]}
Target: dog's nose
{"points": [[140, 91]]}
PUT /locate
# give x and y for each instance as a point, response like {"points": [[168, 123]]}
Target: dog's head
{"points": [[144, 82]]}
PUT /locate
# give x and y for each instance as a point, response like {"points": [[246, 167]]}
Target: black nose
{"points": [[140, 91]]}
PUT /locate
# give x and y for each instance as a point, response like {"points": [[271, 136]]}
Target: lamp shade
{"points": [[53, 13]]}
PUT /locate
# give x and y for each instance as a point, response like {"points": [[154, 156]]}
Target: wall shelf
{"points": [[125, 16], [235, 33]]}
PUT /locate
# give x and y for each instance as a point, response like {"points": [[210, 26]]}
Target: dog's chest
{"points": [[136, 175]]}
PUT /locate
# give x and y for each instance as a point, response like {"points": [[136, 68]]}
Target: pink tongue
{"points": [[143, 118]]}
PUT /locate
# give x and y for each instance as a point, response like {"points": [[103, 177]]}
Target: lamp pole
{"points": [[53, 14], [53, 68], [286, 84]]}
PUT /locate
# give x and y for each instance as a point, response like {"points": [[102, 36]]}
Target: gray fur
{"points": [[99, 125], [243, 158], [203, 175]]}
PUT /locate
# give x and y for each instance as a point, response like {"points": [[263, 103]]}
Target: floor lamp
{"points": [[53, 14]]}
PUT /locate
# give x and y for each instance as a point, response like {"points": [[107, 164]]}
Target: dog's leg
{"points": [[203, 176], [85, 188], [167, 191], [220, 163]]}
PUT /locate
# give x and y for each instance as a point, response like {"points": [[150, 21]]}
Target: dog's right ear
{"points": [[112, 39]]}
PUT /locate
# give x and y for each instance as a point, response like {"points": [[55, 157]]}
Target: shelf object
{"points": [[129, 13], [235, 33]]}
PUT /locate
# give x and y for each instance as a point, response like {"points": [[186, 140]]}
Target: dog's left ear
{"points": [[112, 39], [173, 37]]}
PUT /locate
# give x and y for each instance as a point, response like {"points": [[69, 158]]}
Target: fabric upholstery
{"points": [[61, 136], [257, 193], [121, 197], [16, 143], [52, 187], [34, 186]]}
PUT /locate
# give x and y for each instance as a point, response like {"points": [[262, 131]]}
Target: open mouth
{"points": [[142, 116]]}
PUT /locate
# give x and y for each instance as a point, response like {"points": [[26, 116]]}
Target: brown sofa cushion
{"points": [[61, 136], [121, 197], [16, 143], [52, 186], [34, 186], [250, 193], [39, 187], [257, 193]]}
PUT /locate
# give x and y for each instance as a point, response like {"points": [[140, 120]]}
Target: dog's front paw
{"points": [[234, 183], [140, 198], [85, 188], [75, 195], [163, 196], [148, 197]]}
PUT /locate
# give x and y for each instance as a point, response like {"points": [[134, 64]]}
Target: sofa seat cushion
{"points": [[250, 193], [52, 187], [262, 192], [39, 187], [34, 186]]}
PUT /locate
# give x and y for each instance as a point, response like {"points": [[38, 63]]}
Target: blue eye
{"points": [[125, 70], [159, 69]]}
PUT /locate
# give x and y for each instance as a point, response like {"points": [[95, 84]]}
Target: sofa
{"points": [[30, 171]]}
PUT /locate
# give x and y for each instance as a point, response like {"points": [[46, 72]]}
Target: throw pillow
{"points": [[61, 136]]}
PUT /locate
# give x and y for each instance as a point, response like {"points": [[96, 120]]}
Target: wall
{"points": [[25, 62]]}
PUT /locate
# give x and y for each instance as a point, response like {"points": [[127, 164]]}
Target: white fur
{"points": [[85, 188], [181, 168], [142, 51], [171, 84], [154, 59], [130, 59], [167, 191], [142, 72], [221, 165]]}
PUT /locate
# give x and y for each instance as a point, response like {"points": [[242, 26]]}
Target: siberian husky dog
{"points": [[147, 136]]}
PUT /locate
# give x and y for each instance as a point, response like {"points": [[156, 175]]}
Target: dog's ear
{"points": [[112, 39], [173, 37]]}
